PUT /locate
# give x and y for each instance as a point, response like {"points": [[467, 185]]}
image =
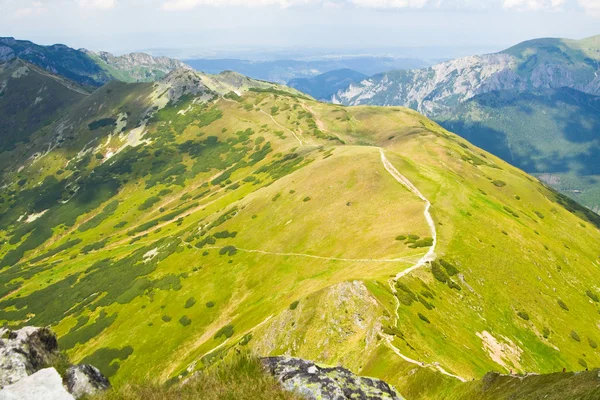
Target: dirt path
{"points": [[365, 260], [428, 257], [283, 127]]}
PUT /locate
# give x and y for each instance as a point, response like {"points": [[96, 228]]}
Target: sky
{"points": [[204, 27]]}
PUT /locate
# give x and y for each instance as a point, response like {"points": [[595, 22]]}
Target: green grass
{"points": [[242, 378], [216, 236]]}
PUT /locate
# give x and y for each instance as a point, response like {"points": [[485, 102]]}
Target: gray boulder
{"points": [[326, 383], [24, 352], [85, 380], [45, 384]]}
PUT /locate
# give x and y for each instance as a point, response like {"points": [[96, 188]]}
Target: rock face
{"points": [[46, 384], [326, 383], [25, 351], [537, 64], [24, 357], [85, 380]]}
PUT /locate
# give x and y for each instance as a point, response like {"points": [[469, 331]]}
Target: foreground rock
{"points": [[326, 383], [24, 352], [26, 360], [85, 380], [46, 384]]}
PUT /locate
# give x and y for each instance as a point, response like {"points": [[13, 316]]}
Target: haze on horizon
{"points": [[187, 28]]}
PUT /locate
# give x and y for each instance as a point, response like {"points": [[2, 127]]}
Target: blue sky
{"points": [[219, 25]]}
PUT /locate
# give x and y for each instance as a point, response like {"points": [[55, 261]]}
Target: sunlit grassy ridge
{"points": [[265, 220]]}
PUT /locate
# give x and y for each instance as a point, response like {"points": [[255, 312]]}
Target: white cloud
{"points": [[591, 7], [97, 4], [534, 5], [35, 8], [189, 4], [390, 3]]}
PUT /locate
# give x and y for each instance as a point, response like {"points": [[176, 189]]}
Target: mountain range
{"points": [[534, 104], [162, 227], [86, 67]]}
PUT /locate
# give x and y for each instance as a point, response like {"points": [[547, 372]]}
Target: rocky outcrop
{"points": [[326, 383], [85, 380], [45, 384], [26, 372], [24, 352]]}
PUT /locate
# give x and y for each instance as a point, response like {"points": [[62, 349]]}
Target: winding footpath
{"points": [[428, 257]]}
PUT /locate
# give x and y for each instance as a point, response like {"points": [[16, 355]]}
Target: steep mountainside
{"points": [[159, 227], [135, 67], [85, 67], [552, 133], [323, 86], [535, 105], [31, 98], [536, 64]]}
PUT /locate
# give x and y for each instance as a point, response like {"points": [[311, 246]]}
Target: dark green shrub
{"points": [[425, 242], [511, 212], [582, 362], [562, 305], [149, 202], [166, 318], [190, 302], [592, 344], [210, 304], [575, 336], [591, 295], [424, 318], [499, 183], [246, 339], [413, 237], [546, 332], [539, 214], [438, 273], [229, 250], [185, 320], [401, 237], [226, 331], [278, 195], [523, 315], [294, 305], [427, 305], [306, 199], [393, 331], [102, 123], [450, 268], [454, 285]]}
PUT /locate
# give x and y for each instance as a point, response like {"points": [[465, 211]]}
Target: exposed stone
{"points": [[326, 383], [24, 352], [85, 380], [45, 384]]}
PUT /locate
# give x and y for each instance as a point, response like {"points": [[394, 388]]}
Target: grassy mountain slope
{"points": [[31, 98], [323, 86], [551, 133], [534, 105], [263, 219]]}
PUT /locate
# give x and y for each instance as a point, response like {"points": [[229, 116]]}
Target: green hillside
{"points": [[31, 98], [534, 105], [551, 133], [176, 222]]}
